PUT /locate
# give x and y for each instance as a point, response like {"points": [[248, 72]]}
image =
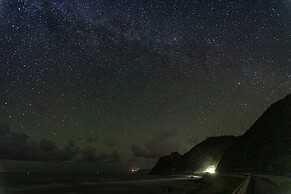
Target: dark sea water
{"points": [[44, 183]]}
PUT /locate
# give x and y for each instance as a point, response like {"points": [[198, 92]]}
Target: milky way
{"points": [[137, 80]]}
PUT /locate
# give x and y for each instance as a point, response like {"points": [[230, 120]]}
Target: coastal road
{"points": [[269, 184], [261, 186]]}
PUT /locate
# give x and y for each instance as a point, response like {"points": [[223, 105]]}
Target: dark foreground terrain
{"points": [[35, 183]]}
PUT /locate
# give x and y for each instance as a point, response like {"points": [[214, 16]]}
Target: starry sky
{"points": [[122, 82]]}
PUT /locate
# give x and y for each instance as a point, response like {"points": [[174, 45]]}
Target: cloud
{"points": [[132, 160], [90, 140], [4, 129], [110, 144], [89, 154], [159, 145], [17, 146]]}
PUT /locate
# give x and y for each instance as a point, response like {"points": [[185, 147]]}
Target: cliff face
{"points": [[266, 146], [203, 155], [167, 164]]}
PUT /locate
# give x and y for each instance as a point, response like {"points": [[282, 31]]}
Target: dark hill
{"points": [[206, 153], [266, 146], [167, 164]]}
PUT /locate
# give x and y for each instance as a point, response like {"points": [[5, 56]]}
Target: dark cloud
{"points": [[4, 129], [159, 145], [90, 140], [115, 156], [110, 144], [89, 154], [132, 160], [47, 145], [17, 146]]}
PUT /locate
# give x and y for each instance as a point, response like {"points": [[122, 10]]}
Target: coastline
{"points": [[46, 183]]}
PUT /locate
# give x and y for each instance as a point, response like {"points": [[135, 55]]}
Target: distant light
{"points": [[210, 169], [134, 170]]}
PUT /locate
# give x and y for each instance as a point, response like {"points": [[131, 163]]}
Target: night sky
{"points": [[120, 83]]}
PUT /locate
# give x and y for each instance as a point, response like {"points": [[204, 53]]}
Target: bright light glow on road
{"points": [[210, 169]]}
